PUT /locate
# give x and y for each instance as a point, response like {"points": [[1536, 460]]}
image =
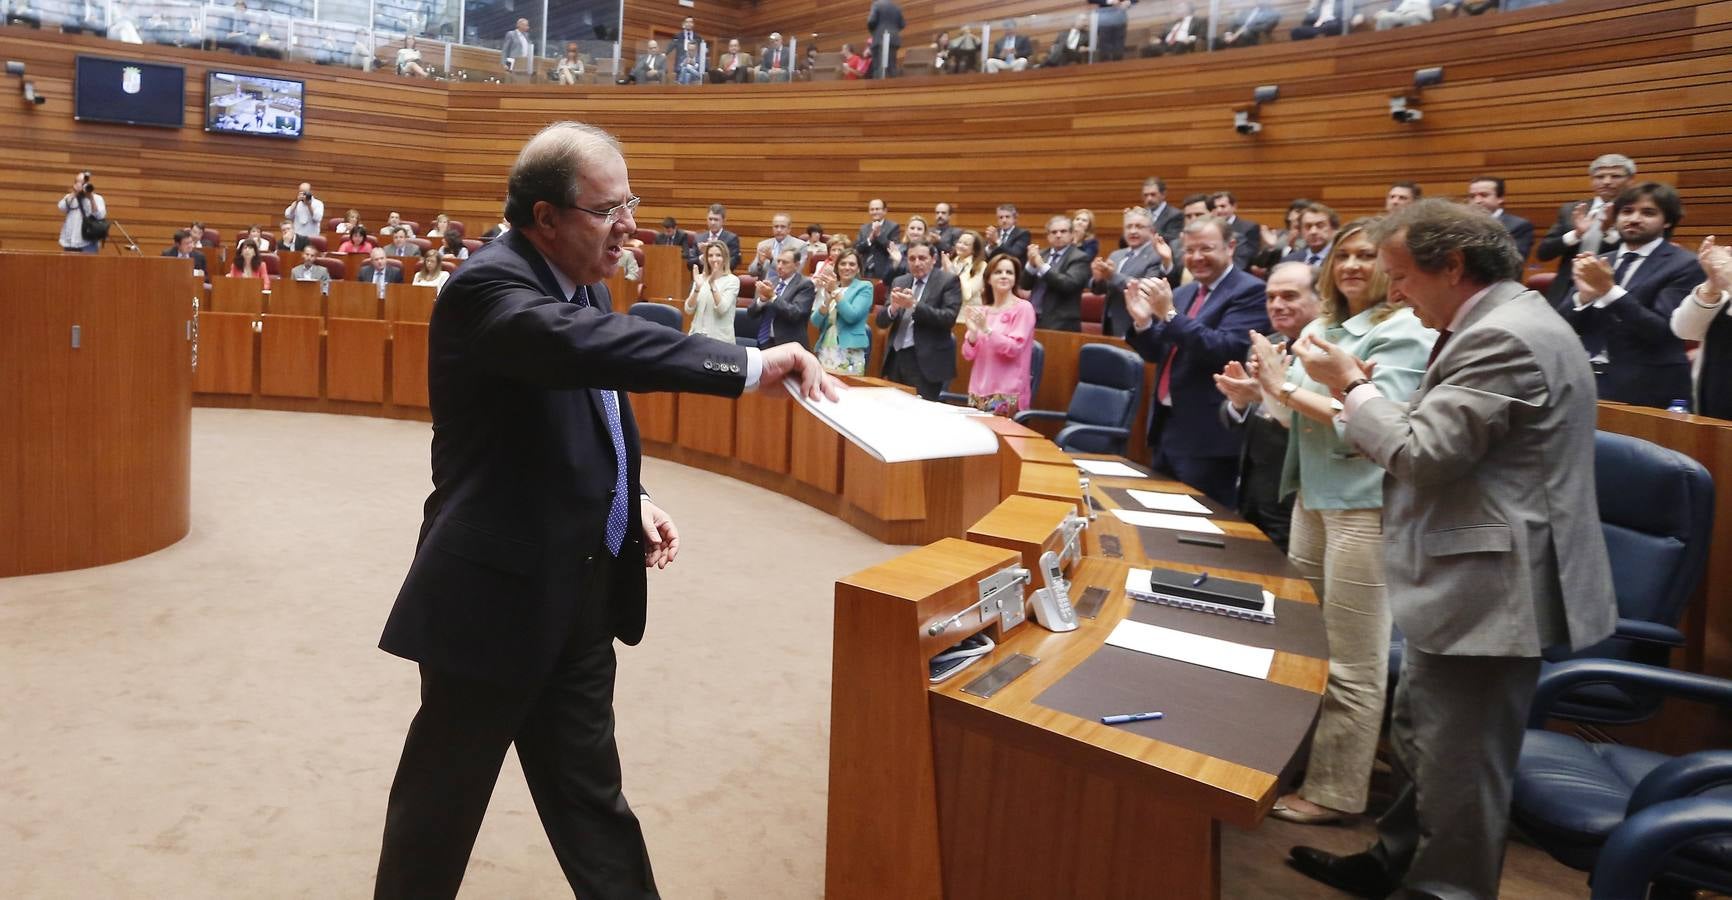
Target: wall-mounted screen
{"points": [[128, 92], [237, 103]]}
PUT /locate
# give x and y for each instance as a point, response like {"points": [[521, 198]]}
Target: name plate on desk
{"points": [[1002, 674]]}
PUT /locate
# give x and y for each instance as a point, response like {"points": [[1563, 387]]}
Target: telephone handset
{"points": [[1052, 607]]}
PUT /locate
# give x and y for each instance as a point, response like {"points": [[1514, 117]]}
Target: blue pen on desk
{"points": [[1200, 579], [1130, 717]]}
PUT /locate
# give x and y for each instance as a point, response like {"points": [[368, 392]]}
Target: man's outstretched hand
{"points": [[786, 362]]}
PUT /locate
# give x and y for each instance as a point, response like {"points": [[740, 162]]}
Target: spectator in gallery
{"points": [[409, 59], [431, 273], [1251, 24], [884, 22], [310, 270], [733, 66], [966, 259], [1110, 26], [454, 246], [854, 65], [773, 60], [715, 293], [1071, 46], [999, 340], [844, 303], [250, 263], [941, 53], [516, 46], [1179, 37], [685, 53], [1706, 315], [570, 68], [350, 220], [401, 246], [287, 239], [358, 241], [964, 55], [1402, 13], [1321, 17], [1010, 50]]}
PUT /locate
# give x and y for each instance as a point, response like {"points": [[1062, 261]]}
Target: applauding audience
{"points": [[843, 306], [1706, 316], [783, 304], [1000, 342], [922, 310], [967, 261], [715, 294]]}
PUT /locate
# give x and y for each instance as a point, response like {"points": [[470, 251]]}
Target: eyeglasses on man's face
{"points": [[611, 216]]}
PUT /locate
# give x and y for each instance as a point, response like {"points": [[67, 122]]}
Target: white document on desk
{"points": [[896, 426], [1168, 521], [1252, 662], [1165, 502], [1108, 468]]}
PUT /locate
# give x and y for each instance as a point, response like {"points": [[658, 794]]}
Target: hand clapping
{"points": [[1593, 276], [1717, 265], [1328, 364], [1238, 385], [1269, 363]]}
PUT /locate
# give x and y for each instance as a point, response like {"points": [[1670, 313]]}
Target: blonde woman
{"points": [[1082, 224], [431, 274], [441, 224], [967, 261], [715, 294], [1337, 536]]}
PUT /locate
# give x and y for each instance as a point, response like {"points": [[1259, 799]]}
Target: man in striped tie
{"points": [[537, 534]]}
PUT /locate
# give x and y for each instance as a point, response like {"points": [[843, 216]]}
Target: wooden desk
{"points": [[665, 275], [237, 295], [296, 298]]}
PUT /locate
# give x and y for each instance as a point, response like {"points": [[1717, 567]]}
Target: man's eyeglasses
{"points": [[610, 216]]}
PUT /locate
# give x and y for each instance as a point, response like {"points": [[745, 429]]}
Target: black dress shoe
{"points": [[1360, 874]]}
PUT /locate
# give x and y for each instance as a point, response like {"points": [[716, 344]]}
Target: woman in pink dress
{"points": [[1000, 342]]}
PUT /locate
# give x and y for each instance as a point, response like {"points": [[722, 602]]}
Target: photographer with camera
{"points": [[307, 212], [86, 225]]}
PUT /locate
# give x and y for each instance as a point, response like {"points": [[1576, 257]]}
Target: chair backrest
{"points": [[1540, 281], [317, 242], [1094, 307], [1036, 364], [744, 330], [332, 223], [647, 235], [1109, 382], [413, 226], [659, 313], [637, 254], [335, 267], [748, 289], [456, 226], [392, 262], [449, 265], [471, 245], [423, 243], [212, 238], [273, 263]]}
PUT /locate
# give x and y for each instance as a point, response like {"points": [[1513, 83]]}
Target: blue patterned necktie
{"points": [[617, 515]]}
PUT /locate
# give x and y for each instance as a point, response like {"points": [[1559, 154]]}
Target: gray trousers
{"points": [[1456, 728]]}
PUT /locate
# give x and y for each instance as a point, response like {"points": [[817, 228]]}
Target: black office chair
{"points": [[1109, 383], [659, 313], [1657, 513], [745, 333], [1571, 797], [1036, 365]]}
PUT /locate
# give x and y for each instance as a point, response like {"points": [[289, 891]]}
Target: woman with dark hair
{"points": [[1337, 531], [967, 261], [715, 293], [431, 274], [843, 304], [357, 242], [454, 247], [409, 59], [1000, 342], [249, 263]]}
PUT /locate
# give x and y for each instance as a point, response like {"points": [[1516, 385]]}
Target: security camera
{"points": [[1401, 109], [30, 95], [14, 67], [1266, 93], [1424, 78], [1244, 124]]}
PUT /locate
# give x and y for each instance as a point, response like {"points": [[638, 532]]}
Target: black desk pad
{"points": [[1255, 557], [1215, 713], [1298, 627]]}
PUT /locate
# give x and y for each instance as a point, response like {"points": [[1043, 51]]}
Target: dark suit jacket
{"points": [[1014, 242], [197, 258], [1065, 279], [885, 17], [299, 243], [1647, 365], [392, 275], [946, 236], [1250, 241], [1219, 334], [875, 251], [1520, 230], [1302, 254], [764, 58], [1115, 321], [1170, 223], [677, 46], [1260, 462], [934, 342], [523, 466], [1023, 47], [642, 72], [1553, 247], [726, 237], [682, 239], [790, 312]]}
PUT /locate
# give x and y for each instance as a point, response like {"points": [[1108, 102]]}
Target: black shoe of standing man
{"points": [[1360, 874]]}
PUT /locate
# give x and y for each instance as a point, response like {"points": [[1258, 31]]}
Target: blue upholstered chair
{"points": [[1573, 798], [659, 313], [745, 333], [1657, 514], [1109, 383], [1036, 364]]}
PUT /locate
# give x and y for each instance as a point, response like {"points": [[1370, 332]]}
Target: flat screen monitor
{"points": [[128, 92], [238, 103]]}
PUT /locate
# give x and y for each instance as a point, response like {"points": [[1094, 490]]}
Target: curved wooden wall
{"points": [[95, 441], [1532, 96]]}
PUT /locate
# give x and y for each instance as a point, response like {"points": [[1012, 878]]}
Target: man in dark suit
{"points": [[1585, 226], [1167, 220], [378, 270], [674, 236], [1291, 304], [651, 68], [183, 249], [686, 44], [1248, 235], [1191, 334], [922, 308], [1623, 302], [288, 239], [784, 303], [1487, 194], [1144, 255], [717, 221], [1056, 278], [773, 61], [874, 240], [942, 231], [1317, 226], [1009, 49], [885, 23], [531, 557], [1071, 46], [1006, 236], [733, 66], [1110, 26], [1322, 17]]}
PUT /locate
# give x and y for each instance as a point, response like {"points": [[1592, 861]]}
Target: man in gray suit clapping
{"points": [[1492, 541]]}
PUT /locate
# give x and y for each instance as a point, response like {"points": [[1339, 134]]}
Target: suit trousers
{"points": [[1456, 728], [563, 730], [902, 367], [1340, 552]]}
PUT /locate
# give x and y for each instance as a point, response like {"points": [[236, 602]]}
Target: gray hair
{"points": [[1196, 226], [1067, 220], [548, 166], [1613, 161], [1433, 230], [1139, 212]]}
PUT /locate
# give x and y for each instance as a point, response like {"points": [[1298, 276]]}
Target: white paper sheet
{"points": [[896, 426], [1107, 467], [1252, 662], [1165, 502], [1169, 521]]}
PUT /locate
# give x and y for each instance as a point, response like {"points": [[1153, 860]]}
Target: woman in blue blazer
{"points": [[844, 302]]}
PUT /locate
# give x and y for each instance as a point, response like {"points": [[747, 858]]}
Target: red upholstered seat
{"points": [[413, 226], [423, 243], [333, 266], [273, 263], [748, 289], [457, 226], [1094, 307], [332, 223], [212, 238], [449, 265], [318, 243], [647, 235], [394, 263], [1540, 281], [1091, 328]]}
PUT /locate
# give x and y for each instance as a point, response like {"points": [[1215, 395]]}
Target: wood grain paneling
{"points": [[226, 353], [355, 360], [289, 356]]}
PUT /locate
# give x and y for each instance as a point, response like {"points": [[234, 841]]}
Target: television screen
{"points": [[129, 92], [236, 103]]}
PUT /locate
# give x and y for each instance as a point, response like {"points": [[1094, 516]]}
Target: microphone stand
{"points": [[130, 243]]}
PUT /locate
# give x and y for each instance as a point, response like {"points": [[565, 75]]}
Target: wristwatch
{"points": [[1287, 389]]}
